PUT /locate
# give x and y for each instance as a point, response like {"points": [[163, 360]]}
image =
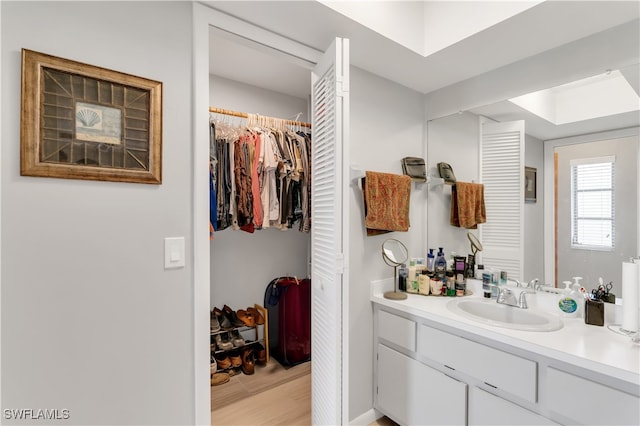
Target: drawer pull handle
{"points": [[450, 368], [489, 384]]}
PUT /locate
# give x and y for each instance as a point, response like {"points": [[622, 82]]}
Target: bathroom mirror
{"points": [[394, 253], [549, 252], [476, 245]]}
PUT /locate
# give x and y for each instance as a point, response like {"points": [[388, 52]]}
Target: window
{"points": [[592, 208]]}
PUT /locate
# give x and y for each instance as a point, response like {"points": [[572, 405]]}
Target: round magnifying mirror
{"points": [[476, 245], [394, 253]]}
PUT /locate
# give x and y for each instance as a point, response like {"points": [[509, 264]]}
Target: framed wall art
{"points": [[530, 193], [80, 121]]}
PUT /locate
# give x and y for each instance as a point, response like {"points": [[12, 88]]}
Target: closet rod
{"points": [[245, 115]]}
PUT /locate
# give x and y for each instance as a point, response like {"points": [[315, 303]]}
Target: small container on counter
{"points": [[594, 312], [436, 286], [403, 273], [423, 283], [451, 284]]}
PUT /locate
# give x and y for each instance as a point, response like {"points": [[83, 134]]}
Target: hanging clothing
{"points": [[260, 178]]}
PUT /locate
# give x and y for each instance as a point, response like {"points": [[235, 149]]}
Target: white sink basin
{"points": [[489, 312]]}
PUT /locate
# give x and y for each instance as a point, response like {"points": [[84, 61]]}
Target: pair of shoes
{"points": [[236, 359], [214, 324], [232, 316], [248, 361], [214, 364], [225, 344], [219, 379], [225, 323], [223, 361], [257, 316], [250, 317], [246, 317], [261, 354], [236, 339]]}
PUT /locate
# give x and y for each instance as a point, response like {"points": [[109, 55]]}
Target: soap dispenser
{"points": [[440, 265], [567, 303], [430, 260], [578, 293]]}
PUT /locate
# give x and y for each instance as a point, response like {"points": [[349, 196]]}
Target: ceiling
{"points": [[552, 43]]}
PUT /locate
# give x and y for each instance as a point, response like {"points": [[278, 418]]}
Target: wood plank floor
{"points": [[286, 404], [249, 400]]}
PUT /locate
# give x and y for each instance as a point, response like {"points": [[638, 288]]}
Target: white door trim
{"points": [[203, 18]]}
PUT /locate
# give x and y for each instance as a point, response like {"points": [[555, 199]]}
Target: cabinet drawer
{"points": [[587, 402], [494, 367], [398, 330], [488, 409]]}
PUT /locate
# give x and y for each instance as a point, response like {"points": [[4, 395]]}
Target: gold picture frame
{"points": [[80, 121]]}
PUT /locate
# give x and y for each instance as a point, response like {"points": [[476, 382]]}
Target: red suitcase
{"points": [[293, 299]]}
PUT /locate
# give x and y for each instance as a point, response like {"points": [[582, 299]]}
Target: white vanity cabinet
{"points": [[414, 394], [429, 370], [583, 401], [488, 409]]}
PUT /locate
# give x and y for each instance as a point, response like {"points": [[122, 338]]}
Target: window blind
{"points": [[592, 203]]}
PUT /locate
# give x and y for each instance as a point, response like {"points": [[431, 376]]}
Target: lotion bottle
{"points": [[567, 304]]}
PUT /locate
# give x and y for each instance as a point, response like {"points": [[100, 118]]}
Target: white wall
{"points": [[453, 140], [386, 125], [242, 264], [534, 213], [91, 322]]}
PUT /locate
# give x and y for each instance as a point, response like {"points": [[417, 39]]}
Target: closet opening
{"points": [[258, 94]]}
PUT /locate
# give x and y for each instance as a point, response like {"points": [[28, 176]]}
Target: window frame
{"points": [[574, 219]]}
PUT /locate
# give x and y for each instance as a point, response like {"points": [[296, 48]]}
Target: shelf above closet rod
{"points": [[245, 115]]}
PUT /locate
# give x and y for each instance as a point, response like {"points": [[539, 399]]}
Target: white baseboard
{"points": [[366, 418]]}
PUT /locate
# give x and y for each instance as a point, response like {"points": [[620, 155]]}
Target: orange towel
{"points": [[386, 199], [467, 205]]}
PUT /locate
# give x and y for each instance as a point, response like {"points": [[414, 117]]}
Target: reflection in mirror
{"points": [[394, 253], [594, 207], [475, 243]]}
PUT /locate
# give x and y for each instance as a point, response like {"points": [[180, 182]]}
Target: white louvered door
{"points": [[329, 239], [502, 173]]}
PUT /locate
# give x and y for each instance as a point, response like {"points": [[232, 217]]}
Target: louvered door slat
{"points": [[502, 170], [328, 105]]}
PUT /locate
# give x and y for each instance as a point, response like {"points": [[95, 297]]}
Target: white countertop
{"points": [[592, 347]]}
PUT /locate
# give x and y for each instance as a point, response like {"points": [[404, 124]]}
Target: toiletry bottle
{"points": [[479, 272], [403, 273], [459, 268], [423, 283], [411, 277], [440, 264], [451, 284], [486, 282], [430, 261], [578, 294], [470, 270], [568, 305], [495, 281], [420, 269]]}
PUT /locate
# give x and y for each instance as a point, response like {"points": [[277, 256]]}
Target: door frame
{"points": [[205, 17]]}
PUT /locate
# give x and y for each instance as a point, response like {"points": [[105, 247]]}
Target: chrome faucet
{"points": [[506, 297], [534, 284], [518, 283]]}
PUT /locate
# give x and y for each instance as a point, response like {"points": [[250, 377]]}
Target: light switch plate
{"points": [[174, 252]]}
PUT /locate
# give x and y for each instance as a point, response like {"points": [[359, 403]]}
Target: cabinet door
{"points": [[488, 409], [413, 394], [568, 395]]}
